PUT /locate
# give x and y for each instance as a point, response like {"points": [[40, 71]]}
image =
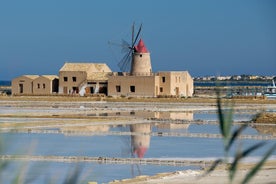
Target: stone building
{"points": [[45, 85], [175, 83], [127, 85], [93, 78], [141, 81], [23, 85], [35, 84], [83, 78]]}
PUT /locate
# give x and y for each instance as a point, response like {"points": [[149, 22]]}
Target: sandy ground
{"points": [[266, 175]]}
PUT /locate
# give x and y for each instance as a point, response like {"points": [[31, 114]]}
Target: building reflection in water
{"points": [[175, 115], [85, 129], [188, 115], [172, 126], [140, 143]]}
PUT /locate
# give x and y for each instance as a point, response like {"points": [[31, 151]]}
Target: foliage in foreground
{"points": [[18, 176], [225, 117]]}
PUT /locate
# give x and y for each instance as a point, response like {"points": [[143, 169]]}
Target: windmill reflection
{"points": [[140, 142]]}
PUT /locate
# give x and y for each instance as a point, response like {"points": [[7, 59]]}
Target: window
{"points": [[118, 89], [132, 89], [74, 79], [163, 79], [161, 90], [75, 90], [65, 79], [38, 86], [20, 88], [44, 86]]}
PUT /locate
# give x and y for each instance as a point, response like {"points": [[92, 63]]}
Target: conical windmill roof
{"points": [[140, 151], [140, 47]]}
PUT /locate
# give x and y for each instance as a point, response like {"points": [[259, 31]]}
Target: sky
{"points": [[204, 37]]}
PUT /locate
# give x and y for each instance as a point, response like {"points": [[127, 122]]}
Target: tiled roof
{"points": [[86, 67], [31, 76], [98, 76], [51, 77]]}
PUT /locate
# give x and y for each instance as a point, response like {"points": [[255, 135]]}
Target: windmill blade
{"points": [[124, 64], [126, 61], [127, 64], [113, 43], [133, 32], [140, 28], [125, 46]]}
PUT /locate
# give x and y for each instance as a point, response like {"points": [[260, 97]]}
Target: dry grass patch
{"points": [[265, 117]]}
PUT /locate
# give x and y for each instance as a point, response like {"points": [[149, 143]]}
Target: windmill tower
{"points": [[141, 142], [137, 59], [141, 63]]}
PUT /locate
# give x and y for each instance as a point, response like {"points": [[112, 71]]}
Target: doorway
{"points": [[65, 90], [20, 88], [177, 91]]}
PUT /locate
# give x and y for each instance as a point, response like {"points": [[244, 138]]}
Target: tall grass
{"points": [[18, 174], [225, 117]]}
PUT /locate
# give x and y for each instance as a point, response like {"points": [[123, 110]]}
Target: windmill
{"points": [[136, 59], [127, 49], [137, 144]]}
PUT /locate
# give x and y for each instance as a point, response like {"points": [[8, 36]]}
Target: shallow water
{"points": [[47, 172], [111, 146], [150, 145]]}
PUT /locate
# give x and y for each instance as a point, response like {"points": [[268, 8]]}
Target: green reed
{"points": [[225, 117]]}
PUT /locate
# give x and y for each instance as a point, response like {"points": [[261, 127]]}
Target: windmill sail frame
{"points": [[125, 62]]}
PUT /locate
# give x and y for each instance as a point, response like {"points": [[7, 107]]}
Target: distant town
{"points": [[235, 78]]}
